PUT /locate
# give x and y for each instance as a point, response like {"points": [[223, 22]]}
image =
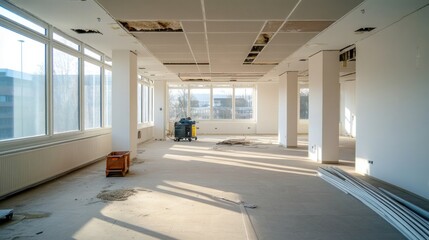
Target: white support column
{"points": [[288, 109], [292, 109], [282, 110], [324, 109], [160, 109], [124, 102]]}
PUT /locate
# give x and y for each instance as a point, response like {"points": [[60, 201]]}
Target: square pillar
{"points": [[288, 109], [160, 113], [324, 107], [124, 101]]}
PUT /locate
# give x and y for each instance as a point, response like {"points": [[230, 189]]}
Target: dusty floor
{"points": [[192, 190]]}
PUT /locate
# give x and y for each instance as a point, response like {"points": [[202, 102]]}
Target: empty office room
{"points": [[214, 119]]}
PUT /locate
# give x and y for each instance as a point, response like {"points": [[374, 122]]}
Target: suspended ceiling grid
{"points": [[219, 34]]}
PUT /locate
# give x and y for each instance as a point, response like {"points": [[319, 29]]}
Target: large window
{"points": [[107, 98], [178, 104], [22, 86], [303, 103], [92, 90], [35, 103], [212, 102], [65, 91], [222, 103], [139, 103], [146, 103], [243, 103], [200, 102]]}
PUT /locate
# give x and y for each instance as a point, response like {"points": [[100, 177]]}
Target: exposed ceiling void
{"points": [[305, 26], [86, 31], [152, 26], [364, 29]]}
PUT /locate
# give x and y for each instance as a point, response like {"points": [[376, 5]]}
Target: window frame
{"points": [[14, 145], [211, 86]]}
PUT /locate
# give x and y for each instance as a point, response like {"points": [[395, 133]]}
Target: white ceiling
{"points": [[221, 33]]}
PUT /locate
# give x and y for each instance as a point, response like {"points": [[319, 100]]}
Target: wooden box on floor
{"points": [[118, 162]]}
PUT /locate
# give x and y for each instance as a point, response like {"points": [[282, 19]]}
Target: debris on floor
{"points": [[116, 195], [34, 215], [234, 142]]}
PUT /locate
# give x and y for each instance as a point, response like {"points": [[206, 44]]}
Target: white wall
{"points": [[146, 134], [392, 93], [267, 108], [348, 108]]}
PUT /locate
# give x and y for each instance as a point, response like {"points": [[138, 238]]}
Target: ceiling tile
{"points": [[305, 26], [193, 26], [248, 9], [231, 38], [183, 48], [323, 10], [161, 38], [234, 26], [153, 9], [182, 68], [291, 38], [273, 49], [225, 48]]}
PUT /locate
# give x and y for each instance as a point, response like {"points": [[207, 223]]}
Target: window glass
{"points": [[107, 98], [151, 105], [22, 86], [222, 103], [139, 103], [178, 103], [65, 41], [92, 92], [146, 103], [303, 103], [24, 22], [243, 103], [65, 91], [92, 54], [200, 103]]}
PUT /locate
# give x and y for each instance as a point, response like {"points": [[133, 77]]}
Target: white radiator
{"points": [[28, 168]]}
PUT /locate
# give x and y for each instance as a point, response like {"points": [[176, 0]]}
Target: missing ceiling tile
{"points": [[263, 38], [152, 26], [364, 29], [86, 31], [305, 26], [252, 55], [257, 48]]}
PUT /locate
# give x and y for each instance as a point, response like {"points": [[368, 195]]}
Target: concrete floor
{"points": [[187, 190]]}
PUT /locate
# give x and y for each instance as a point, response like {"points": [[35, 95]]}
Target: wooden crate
{"points": [[118, 162]]}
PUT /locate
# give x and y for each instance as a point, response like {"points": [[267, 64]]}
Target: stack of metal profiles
{"points": [[410, 220]]}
